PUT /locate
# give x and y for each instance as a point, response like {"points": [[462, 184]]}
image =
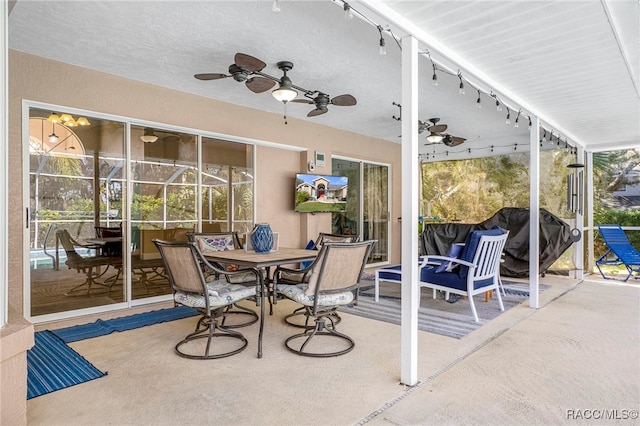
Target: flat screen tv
{"points": [[320, 193]]}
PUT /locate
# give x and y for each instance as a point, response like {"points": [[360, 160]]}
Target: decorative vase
{"points": [[262, 238]]}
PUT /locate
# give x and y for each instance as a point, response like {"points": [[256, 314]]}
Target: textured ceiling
{"points": [[574, 64]]}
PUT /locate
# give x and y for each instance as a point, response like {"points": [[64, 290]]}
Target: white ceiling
{"points": [[574, 64]]}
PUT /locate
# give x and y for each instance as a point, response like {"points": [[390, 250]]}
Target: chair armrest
{"points": [[430, 258]]}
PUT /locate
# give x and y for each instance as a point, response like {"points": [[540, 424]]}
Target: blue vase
{"points": [[262, 238]]}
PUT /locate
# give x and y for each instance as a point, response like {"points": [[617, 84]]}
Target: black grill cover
{"points": [[554, 238]]}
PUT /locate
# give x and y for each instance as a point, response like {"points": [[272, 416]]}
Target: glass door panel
{"points": [[164, 205], [74, 162]]}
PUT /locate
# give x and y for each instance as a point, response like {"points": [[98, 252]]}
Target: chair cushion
{"points": [[449, 279], [390, 273], [221, 293], [213, 244], [471, 245], [311, 245], [454, 252], [297, 293]]}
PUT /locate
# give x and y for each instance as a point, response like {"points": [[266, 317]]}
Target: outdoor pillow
{"points": [[311, 245], [454, 252], [213, 244], [471, 245]]}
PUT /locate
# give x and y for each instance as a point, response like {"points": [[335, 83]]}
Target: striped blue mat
{"points": [[104, 327], [52, 365]]}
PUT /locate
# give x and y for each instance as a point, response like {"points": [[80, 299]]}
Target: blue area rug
{"points": [[52, 365], [102, 327]]}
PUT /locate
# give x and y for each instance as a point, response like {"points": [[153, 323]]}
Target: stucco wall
{"points": [[37, 79]]}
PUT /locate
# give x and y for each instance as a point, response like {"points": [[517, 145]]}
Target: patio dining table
{"points": [[262, 262]]}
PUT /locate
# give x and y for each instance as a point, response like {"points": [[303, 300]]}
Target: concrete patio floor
{"points": [[575, 358]]}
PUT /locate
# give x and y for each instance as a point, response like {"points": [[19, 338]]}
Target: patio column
{"points": [[534, 213], [410, 292]]}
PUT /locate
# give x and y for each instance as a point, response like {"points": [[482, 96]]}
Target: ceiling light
{"points": [[479, 102], [71, 123], [54, 118], [285, 92], [67, 120], [82, 121], [435, 138], [149, 136], [53, 138], [434, 79]]}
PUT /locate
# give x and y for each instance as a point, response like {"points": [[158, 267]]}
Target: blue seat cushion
{"points": [[390, 273], [471, 245], [449, 279]]}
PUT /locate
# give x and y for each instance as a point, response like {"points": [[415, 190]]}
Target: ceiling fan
{"points": [[322, 100], [243, 69], [248, 69], [436, 133]]}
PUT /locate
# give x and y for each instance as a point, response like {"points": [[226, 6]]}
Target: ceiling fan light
{"points": [[284, 94], [149, 136], [435, 138]]}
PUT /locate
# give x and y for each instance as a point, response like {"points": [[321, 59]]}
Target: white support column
{"points": [[534, 213], [409, 259]]}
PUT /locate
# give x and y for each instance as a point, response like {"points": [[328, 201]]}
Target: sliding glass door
{"points": [[367, 212]]}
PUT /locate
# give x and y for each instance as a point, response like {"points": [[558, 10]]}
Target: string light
{"points": [[383, 50], [517, 118], [479, 102], [348, 12], [508, 120], [461, 91], [529, 123], [434, 79]]}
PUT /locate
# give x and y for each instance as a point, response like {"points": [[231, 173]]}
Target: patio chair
{"points": [[286, 277], [223, 241], [619, 252], [334, 278], [476, 271], [88, 265], [184, 265]]}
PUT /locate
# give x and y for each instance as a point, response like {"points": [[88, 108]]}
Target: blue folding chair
{"points": [[620, 252]]}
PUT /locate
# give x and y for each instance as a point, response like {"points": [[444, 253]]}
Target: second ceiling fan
{"points": [[436, 133]]}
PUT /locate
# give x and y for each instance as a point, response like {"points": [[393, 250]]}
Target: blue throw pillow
{"points": [[311, 245], [454, 252]]}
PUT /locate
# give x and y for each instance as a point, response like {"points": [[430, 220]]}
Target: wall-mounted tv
{"points": [[320, 193]]}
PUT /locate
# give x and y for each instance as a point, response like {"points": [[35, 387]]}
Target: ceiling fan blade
{"points": [[316, 112], [344, 100], [249, 62], [259, 84], [438, 128], [210, 76], [453, 141], [302, 101]]}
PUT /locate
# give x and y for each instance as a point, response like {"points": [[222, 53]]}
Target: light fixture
{"points": [[149, 136], [434, 138], [461, 91], [53, 138], [68, 120], [284, 93], [383, 49], [508, 120], [434, 79], [529, 122], [479, 102], [498, 106], [517, 118], [348, 11]]}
